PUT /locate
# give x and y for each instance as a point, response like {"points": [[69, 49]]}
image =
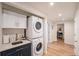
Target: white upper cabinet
{"points": [[13, 20]]}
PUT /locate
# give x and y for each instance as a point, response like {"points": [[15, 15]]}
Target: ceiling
{"points": [[67, 9]]}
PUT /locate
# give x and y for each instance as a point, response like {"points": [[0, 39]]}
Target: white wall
{"points": [[54, 35], [69, 32], [45, 36], [54, 32], [50, 32]]}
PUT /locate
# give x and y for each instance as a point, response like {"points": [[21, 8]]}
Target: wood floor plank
{"points": [[59, 48]]}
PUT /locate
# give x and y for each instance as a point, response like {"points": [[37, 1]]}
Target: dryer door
{"points": [[39, 48]]}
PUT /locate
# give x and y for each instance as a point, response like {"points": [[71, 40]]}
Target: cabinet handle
{"points": [[76, 41]]}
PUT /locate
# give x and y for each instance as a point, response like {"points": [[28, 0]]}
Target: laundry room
{"points": [[39, 28], [22, 32]]}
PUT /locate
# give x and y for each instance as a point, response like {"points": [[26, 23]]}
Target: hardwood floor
{"points": [[59, 48]]}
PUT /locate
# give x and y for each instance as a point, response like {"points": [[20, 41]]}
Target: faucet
{"points": [[16, 36]]}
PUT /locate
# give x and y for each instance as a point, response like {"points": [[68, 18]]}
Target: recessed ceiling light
{"points": [[51, 3], [59, 14]]}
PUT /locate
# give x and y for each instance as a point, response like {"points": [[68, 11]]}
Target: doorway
{"points": [[60, 32]]}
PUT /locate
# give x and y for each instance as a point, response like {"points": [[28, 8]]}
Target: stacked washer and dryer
{"points": [[35, 35]]}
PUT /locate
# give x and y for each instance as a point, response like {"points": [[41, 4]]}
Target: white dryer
{"points": [[35, 27], [37, 47]]}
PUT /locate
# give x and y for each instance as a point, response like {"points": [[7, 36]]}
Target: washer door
{"points": [[38, 48], [38, 26]]}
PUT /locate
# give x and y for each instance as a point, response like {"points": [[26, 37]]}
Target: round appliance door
{"points": [[38, 48], [38, 26]]}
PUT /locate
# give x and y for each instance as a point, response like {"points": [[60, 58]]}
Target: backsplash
{"points": [[9, 31], [9, 34]]}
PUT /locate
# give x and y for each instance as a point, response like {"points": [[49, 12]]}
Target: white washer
{"points": [[37, 47], [35, 27]]}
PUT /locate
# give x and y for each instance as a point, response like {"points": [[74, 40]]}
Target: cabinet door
{"points": [[0, 53], [13, 20], [8, 21], [27, 50], [76, 43], [22, 21], [77, 33]]}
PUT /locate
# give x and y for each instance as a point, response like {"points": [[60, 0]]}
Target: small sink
{"points": [[17, 42]]}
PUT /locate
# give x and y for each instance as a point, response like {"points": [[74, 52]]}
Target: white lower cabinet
{"points": [[13, 20], [76, 45], [76, 20], [76, 50]]}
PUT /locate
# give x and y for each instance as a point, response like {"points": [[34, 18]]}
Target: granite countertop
{"points": [[4, 47]]}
